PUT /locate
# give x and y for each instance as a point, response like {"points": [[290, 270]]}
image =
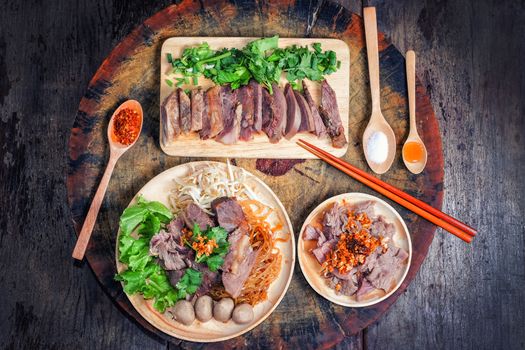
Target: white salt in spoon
{"points": [[379, 141]]}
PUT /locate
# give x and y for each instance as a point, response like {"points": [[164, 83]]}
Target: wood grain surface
{"points": [[259, 147], [469, 55]]}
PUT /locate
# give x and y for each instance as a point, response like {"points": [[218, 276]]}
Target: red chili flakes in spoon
{"points": [[126, 126]]}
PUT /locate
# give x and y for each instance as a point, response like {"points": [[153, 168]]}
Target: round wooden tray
{"points": [[132, 71]]}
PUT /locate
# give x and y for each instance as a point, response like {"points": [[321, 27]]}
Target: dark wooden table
{"points": [[470, 55]]}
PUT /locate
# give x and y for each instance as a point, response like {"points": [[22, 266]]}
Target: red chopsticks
{"points": [[454, 226]]}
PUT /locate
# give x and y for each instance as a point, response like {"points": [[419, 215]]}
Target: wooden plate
{"points": [[158, 189], [312, 269], [132, 70], [259, 147]]}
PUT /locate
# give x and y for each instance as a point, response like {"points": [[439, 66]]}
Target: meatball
{"points": [[183, 312], [242, 314], [204, 308], [222, 311]]}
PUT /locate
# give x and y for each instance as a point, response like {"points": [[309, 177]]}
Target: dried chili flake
{"points": [[126, 126]]}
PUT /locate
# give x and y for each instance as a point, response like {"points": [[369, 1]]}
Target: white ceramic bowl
{"points": [[312, 269]]}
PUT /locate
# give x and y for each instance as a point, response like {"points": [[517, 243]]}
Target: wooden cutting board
{"points": [[191, 146]]}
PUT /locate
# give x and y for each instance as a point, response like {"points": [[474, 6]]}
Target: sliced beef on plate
{"points": [[231, 114], [334, 221], [245, 97], [229, 213], [366, 207], [214, 107], [350, 275], [293, 114], [330, 113], [169, 250], [311, 233], [383, 275], [185, 111], [175, 227], [319, 128], [257, 105], [381, 228], [321, 251], [205, 131], [307, 119], [209, 279], [266, 116], [170, 117], [198, 109], [364, 288], [238, 262], [371, 261], [348, 287], [193, 214], [276, 127], [174, 276]]}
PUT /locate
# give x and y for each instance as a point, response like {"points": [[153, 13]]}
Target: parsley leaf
{"points": [[260, 59], [189, 283], [217, 234]]}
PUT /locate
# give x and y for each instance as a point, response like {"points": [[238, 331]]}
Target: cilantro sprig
{"points": [[217, 238], [260, 59]]}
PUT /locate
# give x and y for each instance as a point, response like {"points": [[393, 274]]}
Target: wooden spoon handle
{"points": [[91, 217], [411, 82], [372, 51]]}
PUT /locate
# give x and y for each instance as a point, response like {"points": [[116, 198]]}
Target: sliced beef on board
{"points": [[185, 111], [307, 120], [198, 108], [205, 131], [214, 106], [257, 105], [277, 125], [170, 117], [266, 113], [239, 261], [231, 116], [331, 117], [293, 114], [319, 128], [193, 214], [245, 98], [229, 213]]}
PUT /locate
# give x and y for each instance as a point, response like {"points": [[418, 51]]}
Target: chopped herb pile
{"points": [[144, 275], [210, 246], [260, 59]]}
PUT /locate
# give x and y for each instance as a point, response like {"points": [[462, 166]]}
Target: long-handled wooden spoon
{"points": [[116, 151], [414, 150], [379, 141]]}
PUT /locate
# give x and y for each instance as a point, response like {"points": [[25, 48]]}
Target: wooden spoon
{"points": [[381, 156], [414, 150], [116, 151]]}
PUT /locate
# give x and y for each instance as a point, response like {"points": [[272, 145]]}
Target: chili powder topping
{"points": [[126, 126]]}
